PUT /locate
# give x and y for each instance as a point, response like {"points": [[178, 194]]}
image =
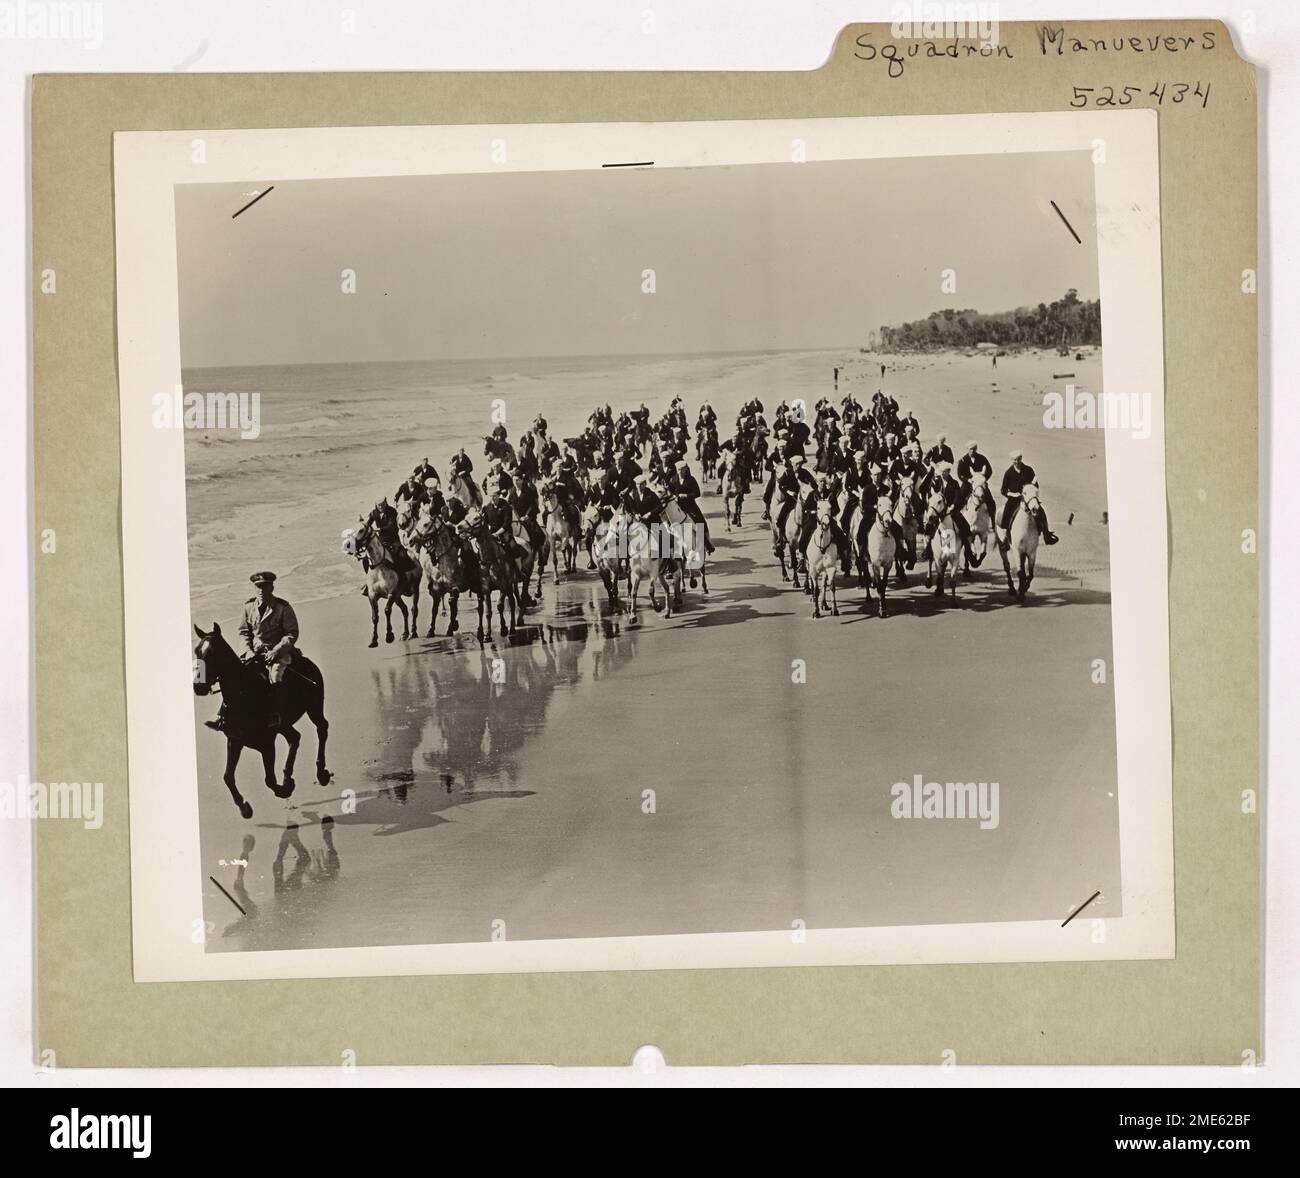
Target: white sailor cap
{"points": [[1017, 454]]}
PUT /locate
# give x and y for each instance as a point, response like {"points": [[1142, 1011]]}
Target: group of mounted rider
{"points": [[851, 485], [540, 500], [867, 471], [847, 469]]}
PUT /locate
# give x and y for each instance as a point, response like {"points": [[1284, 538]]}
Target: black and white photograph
{"points": [[639, 551]]}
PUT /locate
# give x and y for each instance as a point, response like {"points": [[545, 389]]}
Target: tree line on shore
{"points": [[1068, 322]]}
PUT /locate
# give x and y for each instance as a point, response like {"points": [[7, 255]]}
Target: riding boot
{"points": [[842, 541], [219, 724], [1049, 537]]}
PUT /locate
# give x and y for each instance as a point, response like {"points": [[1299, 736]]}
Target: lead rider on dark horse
{"points": [[265, 692]]}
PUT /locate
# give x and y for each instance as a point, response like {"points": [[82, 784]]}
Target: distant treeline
{"points": [[1067, 322]]}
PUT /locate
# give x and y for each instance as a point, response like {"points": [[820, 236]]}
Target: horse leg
{"points": [[374, 620], [453, 604], [481, 594], [233, 749], [316, 714], [435, 604], [268, 765], [406, 621], [293, 739], [415, 613], [1006, 568], [835, 600], [388, 619]]}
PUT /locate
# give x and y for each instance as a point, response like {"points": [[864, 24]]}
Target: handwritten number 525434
{"points": [[1105, 95]]}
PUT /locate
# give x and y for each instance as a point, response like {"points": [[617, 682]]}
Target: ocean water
{"points": [[336, 437]]}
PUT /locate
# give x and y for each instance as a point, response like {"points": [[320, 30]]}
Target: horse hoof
{"points": [[324, 777], [245, 810], [836, 611], [289, 785], [430, 634], [373, 643], [388, 637], [453, 627]]}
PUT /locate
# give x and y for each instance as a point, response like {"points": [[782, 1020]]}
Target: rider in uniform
{"points": [[523, 501], [270, 632], [795, 481], [413, 490], [1018, 475], [683, 485], [940, 478], [973, 463], [499, 520], [828, 489], [939, 452]]}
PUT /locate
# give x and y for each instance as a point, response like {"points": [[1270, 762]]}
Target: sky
{"points": [[748, 258]]}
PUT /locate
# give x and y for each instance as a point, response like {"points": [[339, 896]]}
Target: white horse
{"points": [[1023, 541], [466, 490], [881, 550], [822, 560], [979, 522], [384, 579], [531, 557], [688, 543], [603, 549], [945, 544], [643, 564], [904, 513], [562, 530]]}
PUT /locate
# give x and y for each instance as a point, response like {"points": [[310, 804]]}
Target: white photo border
{"points": [[166, 875]]}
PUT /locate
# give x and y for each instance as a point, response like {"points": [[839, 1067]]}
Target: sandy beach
{"points": [[519, 796]]}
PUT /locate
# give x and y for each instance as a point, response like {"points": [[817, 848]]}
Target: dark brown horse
{"points": [[249, 718]]}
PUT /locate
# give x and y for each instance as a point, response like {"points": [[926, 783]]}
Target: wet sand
{"points": [[514, 791]]}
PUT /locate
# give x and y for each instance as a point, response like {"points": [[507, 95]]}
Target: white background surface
{"points": [[301, 35]]}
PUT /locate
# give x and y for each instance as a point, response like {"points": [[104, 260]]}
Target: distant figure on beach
{"points": [[995, 359], [837, 380], [882, 371]]}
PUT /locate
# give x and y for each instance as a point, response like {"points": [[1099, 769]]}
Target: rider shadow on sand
{"points": [[983, 598], [308, 867], [455, 726]]}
